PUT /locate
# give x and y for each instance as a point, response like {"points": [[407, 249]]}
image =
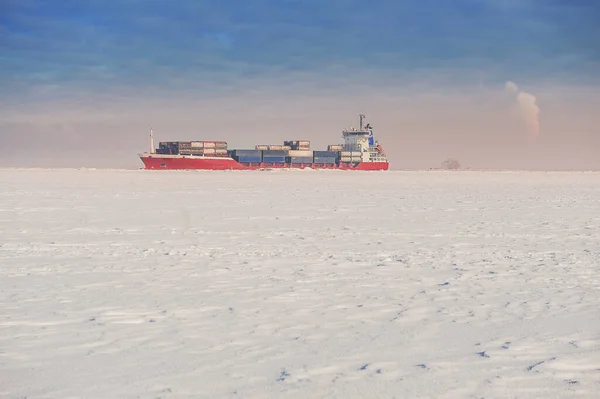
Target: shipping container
{"points": [[351, 147], [300, 153], [324, 153], [220, 151], [351, 154], [324, 160], [197, 144], [297, 144], [297, 160], [274, 159], [208, 144], [249, 159], [274, 153], [252, 153], [254, 156], [261, 147], [334, 147]]}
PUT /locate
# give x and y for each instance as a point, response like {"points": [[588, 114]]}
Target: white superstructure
{"points": [[363, 141]]}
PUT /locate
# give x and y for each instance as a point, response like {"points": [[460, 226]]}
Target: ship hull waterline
{"points": [[182, 162]]}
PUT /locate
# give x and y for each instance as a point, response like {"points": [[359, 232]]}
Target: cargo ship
{"points": [[358, 151]]}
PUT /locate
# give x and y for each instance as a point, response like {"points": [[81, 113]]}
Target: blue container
{"points": [[371, 141], [272, 159], [325, 160], [248, 159]]}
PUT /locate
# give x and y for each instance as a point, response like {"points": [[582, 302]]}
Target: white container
{"points": [[300, 153]]}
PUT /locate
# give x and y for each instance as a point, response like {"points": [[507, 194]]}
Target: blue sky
{"points": [[103, 45]]}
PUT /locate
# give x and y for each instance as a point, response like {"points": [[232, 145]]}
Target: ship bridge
{"points": [[362, 140]]}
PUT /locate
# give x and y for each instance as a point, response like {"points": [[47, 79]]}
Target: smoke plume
{"points": [[528, 107]]}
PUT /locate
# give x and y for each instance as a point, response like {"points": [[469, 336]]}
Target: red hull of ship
{"points": [[155, 161]]}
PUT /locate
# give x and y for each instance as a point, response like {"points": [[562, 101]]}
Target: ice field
{"points": [[303, 284]]}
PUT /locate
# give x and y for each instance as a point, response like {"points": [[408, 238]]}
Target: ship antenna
{"points": [[152, 150], [361, 116]]}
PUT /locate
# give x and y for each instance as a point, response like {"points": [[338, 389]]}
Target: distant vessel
{"points": [[359, 151]]}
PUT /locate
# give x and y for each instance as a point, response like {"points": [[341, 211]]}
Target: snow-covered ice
{"points": [[307, 284]]}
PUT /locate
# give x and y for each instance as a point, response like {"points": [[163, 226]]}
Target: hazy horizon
{"points": [[509, 86]]}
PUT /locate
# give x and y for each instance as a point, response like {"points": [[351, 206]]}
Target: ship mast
{"points": [[361, 116], [152, 150]]}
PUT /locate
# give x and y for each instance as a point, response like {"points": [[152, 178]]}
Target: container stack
{"points": [[351, 156], [300, 156], [185, 148], [274, 147], [274, 156], [298, 145], [324, 157], [351, 147], [293, 152], [220, 148], [203, 148], [279, 147], [168, 147], [247, 156]]}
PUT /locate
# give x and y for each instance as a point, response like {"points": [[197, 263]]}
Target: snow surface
{"points": [[306, 284]]}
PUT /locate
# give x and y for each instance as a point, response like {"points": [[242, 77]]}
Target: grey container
{"points": [[325, 154], [324, 160], [274, 153], [247, 153], [296, 160]]}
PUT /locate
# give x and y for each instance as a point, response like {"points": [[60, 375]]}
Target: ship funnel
{"points": [[152, 150]]}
